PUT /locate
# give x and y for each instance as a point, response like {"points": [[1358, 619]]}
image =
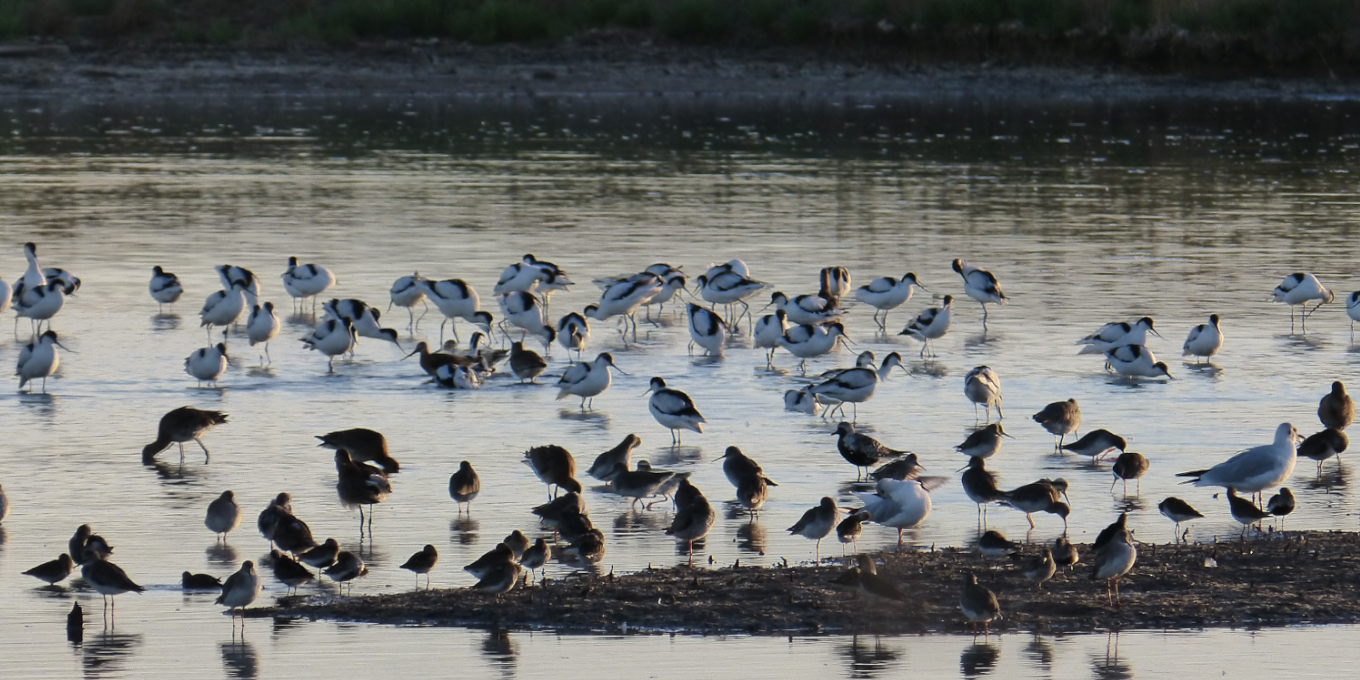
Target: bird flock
{"points": [[805, 326]]}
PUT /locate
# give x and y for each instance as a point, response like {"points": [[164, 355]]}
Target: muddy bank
{"points": [[430, 68], [1305, 578]]}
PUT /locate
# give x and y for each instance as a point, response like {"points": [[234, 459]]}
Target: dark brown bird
{"points": [[752, 492], [364, 446], [347, 567], [189, 581], [292, 534], [184, 424], [587, 548], [1109, 532], [322, 556], [501, 554], [692, 522], [873, 585], [464, 485], [1064, 553], [269, 517], [422, 563], [603, 467], [289, 571], [536, 557], [432, 361], [1336, 410], [518, 543], [978, 603], [1281, 504], [526, 363], [1060, 418], [1039, 568], [552, 512], [1324, 445], [360, 484], [1129, 465], [76, 546], [850, 528], [53, 571], [906, 468], [555, 466], [1244, 511]]}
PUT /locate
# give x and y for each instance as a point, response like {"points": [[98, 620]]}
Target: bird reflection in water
{"points": [[595, 418], [928, 368], [106, 654], [978, 659], [1109, 667], [43, 405], [1327, 482], [239, 659], [640, 522], [165, 322], [865, 661], [751, 537], [465, 528], [172, 471], [222, 555], [1040, 651], [500, 650]]}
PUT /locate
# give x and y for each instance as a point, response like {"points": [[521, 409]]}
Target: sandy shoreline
{"points": [[433, 69], [1306, 578]]}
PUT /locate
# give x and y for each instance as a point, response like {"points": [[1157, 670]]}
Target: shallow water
{"points": [[1088, 212]]}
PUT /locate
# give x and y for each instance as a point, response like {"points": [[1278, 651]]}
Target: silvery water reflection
{"points": [[1089, 213]]}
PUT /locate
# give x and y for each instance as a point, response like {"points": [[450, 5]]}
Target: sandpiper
{"points": [[1324, 445], [224, 514], [288, 571], [554, 466], [861, 450], [526, 363], [536, 557], [1337, 409], [1281, 504], [1245, 511], [603, 467], [1129, 465], [270, 516], [364, 446], [817, 523], [107, 578], [977, 602], [322, 556], [1060, 418], [983, 443], [1113, 560], [483, 565], [1096, 443], [1064, 553], [752, 492], [1178, 511], [850, 528], [464, 485], [982, 386], [995, 545], [1039, 568], [184, 424], [692, 522], [422, 563], [360, 484], [191, 581], [870, 583], [1037, 497], [500, 579], [346, 568], [53, 571], [980, 486], [902, 469]]}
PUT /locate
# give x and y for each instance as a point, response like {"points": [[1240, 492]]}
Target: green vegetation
{"points": [[919, 27]]}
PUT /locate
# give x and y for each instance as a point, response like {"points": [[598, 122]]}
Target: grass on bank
{"points": [[742, 22]]}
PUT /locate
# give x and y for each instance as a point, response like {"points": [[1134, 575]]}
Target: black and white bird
{"points": [[455, 299], [807, 309], [1060, 418], [573, 334], [673, 409], [407, 292], [302, 281], [1301, 288], [1118, 334], [332, 337], [728, 288], [1204, 340], [624, 298], [525, 312], [768, 330], [706, 329], [1136, 361], [362, 316], [587, 379], [165, 288], [262, 326], [39, 359], [885, 294], [223, 308], [231, 275], [207, 364], [806, 342], [930, 324], [1281, 504], [855, 385], [980, 285]]}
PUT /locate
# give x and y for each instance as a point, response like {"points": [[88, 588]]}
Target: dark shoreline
{"points": [[1304, 578], [429, 69]]}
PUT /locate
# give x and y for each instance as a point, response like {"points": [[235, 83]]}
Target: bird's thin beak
{"points": [[1154, 332], [1003, 433], [58, 344], [764, 308], [408, 356], [620, 370], [646, 391], [923, 288], [960, 469]]}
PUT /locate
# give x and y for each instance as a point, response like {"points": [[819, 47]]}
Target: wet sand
{"points": [[1304, 578], [430, 68]]}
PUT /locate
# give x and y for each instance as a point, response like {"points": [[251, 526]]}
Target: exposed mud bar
{"points": [[1299, 579]]}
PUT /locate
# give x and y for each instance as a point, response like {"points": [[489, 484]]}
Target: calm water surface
{"points": [[1089, 212]]}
